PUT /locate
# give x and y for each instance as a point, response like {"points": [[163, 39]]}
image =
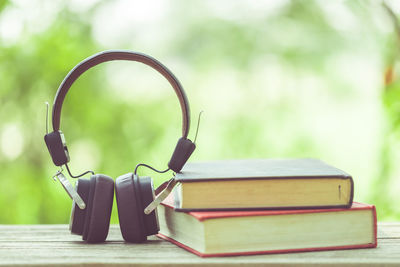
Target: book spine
{"points": [[351, 192], [375, 226]]}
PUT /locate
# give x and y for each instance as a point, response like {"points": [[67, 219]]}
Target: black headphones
{"points": [[133, 194]]}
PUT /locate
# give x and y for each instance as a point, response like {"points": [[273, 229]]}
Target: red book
{"points": [[230, 233]]}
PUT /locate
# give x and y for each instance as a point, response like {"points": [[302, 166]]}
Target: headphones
{"points": [[93, 198]]}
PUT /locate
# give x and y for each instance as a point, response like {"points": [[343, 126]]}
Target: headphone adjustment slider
{"points": [[69, 189], [163, 195]]}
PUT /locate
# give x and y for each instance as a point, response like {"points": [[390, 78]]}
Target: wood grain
{"points": [[53, 245]]}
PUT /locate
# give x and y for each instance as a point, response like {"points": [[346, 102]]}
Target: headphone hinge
{"points": [[57, 147], [183, 150]]}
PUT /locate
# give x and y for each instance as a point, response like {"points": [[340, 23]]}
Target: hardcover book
{"points": [[229, 233], [262, 183]]}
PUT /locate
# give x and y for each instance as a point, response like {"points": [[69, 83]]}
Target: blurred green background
{"points": [[275, 79]]}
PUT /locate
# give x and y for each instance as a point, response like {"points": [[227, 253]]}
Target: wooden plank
{"points": [[389, 230], [53, 245]]}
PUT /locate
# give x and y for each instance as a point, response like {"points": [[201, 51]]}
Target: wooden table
{"points": [[34, 245]]}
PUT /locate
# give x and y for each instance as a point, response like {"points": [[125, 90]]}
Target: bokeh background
{"points": [[275, 79]]}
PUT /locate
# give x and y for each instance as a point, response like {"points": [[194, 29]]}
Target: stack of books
{"points": [[246, 207]]}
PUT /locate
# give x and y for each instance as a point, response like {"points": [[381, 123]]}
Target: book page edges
{"points": [[204, 255], [270, 203], [356, 206]]}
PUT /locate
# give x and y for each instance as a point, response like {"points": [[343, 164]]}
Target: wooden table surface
{"points": [[33, 245]]}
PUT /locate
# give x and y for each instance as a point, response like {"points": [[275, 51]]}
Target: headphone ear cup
{"points": [[131, 225], [98, 209], [130, 208], [77, 219], [147, 193]]}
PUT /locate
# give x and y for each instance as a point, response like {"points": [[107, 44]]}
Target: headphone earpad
{"points": [[147, 193], [77, 219], [131, 200], [98, 209]]}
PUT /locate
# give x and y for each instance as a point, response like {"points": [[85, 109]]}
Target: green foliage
{"points": [[287, 83]]}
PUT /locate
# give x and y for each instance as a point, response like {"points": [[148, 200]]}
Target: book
{"points": [[229, 233], [262, 183]]}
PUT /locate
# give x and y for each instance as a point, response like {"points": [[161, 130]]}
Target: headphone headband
{"points": [[55, 140], [111, 55]]}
